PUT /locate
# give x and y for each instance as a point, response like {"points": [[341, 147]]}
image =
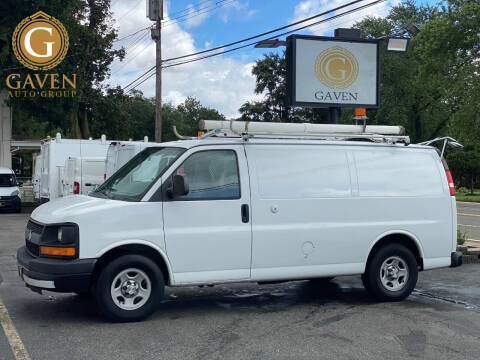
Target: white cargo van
{"points": [[249, 207], [10, 198], [120, 152], [54, 152], [82, 175]]}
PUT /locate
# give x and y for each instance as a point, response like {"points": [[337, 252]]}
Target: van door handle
{"points": [[245, 213], [88, 184]]}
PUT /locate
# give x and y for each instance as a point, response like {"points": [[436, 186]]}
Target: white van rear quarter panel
{"points": [[310, 214]]}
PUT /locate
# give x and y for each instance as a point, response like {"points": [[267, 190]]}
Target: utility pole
{"points": [[157, 15]]}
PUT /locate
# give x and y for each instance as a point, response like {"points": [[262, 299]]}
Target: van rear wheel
{"points": [[392, 273], [129, 288]]}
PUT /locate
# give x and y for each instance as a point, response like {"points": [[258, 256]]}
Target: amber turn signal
{"points": [[57, 251]]}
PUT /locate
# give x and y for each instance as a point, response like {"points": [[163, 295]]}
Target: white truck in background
{"points": [[54, 153], [120, 152], [82, 175], [36, 178]]}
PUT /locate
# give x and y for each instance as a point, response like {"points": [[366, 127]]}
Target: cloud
{"points": [[195, 16], [219, 82], [309, 8]]}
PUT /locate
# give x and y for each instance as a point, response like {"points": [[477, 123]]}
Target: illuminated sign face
{"points": [[40, 42], [328, 72]]}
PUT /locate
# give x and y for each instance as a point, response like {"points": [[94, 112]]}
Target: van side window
{"points": [[211, 175]]}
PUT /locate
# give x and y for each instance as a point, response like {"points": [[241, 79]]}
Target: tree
{"points": [[270, 73], [186, 117], [431, 90], [89, 56], [465, 167]]}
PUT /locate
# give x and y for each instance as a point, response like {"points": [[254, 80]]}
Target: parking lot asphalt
{"points": [[294, 320]]}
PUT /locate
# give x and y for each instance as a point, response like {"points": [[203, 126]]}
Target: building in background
{"points": [[17, 153]]}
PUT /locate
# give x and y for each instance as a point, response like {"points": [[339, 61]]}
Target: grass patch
{"points": [[463, 194]]}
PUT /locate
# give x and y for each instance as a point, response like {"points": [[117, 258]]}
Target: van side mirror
{"points": [[178, 186], [19, 183]]}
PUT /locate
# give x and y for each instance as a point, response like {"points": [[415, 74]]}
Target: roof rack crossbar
{"points": [[271, 135]]}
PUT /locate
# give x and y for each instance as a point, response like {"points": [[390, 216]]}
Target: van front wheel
{"points": [[129, 288], [392, 273]]}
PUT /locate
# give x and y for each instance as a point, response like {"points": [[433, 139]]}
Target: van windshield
{"points": [[133, 180], [7, 180]]}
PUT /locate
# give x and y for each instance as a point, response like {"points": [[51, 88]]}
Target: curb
{"points": [[471, 255]]}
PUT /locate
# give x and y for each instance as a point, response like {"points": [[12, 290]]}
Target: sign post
{"points": [[333, 72]]}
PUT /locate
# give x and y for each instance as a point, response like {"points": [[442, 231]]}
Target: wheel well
{"points": [[132, 249], [401, 239]]}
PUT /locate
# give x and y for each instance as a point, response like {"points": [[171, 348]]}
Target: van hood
{"points": [[7, 191], [70, 208]]}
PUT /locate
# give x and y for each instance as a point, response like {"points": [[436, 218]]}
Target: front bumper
{"points": [[55, 274], [10, 203], [456, 259]]}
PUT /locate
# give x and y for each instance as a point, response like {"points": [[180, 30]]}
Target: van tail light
{"points": [[104, 177], [450, 183], [76, 188]]}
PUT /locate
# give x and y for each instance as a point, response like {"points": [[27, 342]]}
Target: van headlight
{"points": [[15, 193], [66, 234], [60, 241]]}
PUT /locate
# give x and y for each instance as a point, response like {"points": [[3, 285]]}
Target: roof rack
{"points": [[265, 130]]}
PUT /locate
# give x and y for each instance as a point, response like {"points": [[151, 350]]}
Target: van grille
{"points": [[34, 227], [32, 248], [7, 197]]}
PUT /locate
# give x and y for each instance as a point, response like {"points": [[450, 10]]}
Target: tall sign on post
{"points": [[332, 72], [155, 13]]}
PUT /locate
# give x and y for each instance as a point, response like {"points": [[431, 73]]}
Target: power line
{"points": [[188, 16], [251, 37], [247, 45], [267, 32], [137, 42], [130, 60], [188, 8], [128, 11], [132, 34]]}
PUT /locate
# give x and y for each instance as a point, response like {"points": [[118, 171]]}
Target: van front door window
{"points": [[134, 179]]}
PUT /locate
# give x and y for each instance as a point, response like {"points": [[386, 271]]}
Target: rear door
{"points": [[92, 174], [208, 231]]}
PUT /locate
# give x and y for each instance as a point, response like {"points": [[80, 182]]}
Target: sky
{"points": [[223, 82]]}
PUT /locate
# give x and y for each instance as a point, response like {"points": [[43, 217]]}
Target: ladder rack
{"points": [[305, 131], [388, 139]]}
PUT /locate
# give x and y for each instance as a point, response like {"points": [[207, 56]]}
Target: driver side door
{"points": [[208, 232]]}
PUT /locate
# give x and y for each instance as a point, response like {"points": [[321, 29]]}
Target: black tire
{"points": [[104, 298], [396, 289]]}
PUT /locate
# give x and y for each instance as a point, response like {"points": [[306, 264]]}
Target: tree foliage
{"points": [[270, 73], [88, 23]]}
